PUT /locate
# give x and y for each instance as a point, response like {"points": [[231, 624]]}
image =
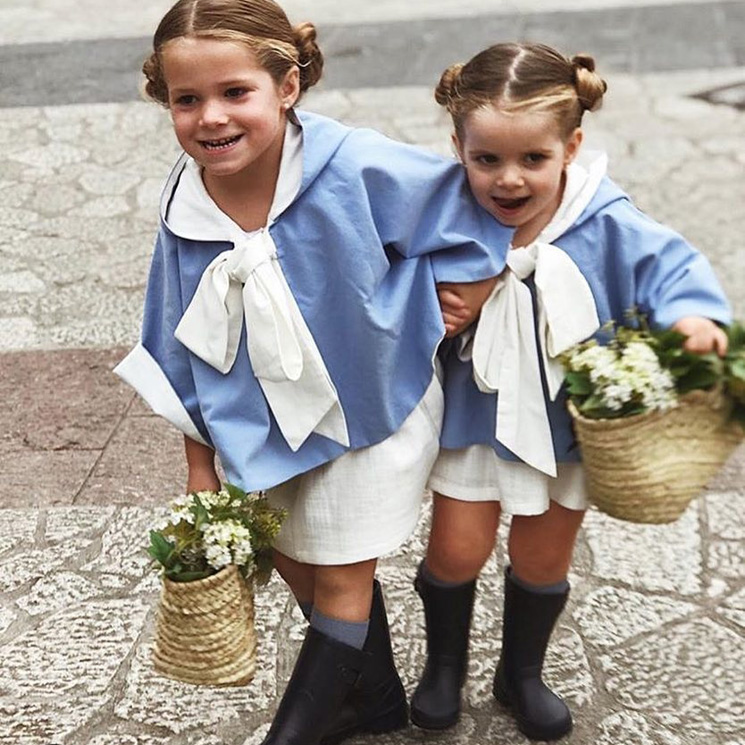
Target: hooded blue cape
{"points": [[373, 227], [629, 260]]}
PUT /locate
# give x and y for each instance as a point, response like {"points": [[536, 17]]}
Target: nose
{"points": [[510, 176], [213, 114]]}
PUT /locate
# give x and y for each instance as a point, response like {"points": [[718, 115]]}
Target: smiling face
{"points": [[227, 111], [515, 164]]}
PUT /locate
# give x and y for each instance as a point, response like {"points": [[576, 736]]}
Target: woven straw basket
{"points": [[647, 468], [205, 630]]}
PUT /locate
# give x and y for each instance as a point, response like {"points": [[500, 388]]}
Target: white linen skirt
{"points": [[365, 503], [478, 474]]}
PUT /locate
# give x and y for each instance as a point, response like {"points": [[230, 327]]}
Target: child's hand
{"points": [[200, 461], [202, 479], [461, 303], [703, 335]]}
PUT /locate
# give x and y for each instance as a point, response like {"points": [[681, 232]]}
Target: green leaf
{"points": [[700, 378], [161, 549], [200, 512], [236, 493], [187, 576], [579, 383]]}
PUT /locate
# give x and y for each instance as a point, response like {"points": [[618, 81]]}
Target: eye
{"points": [[534, 158], [486, 159], [186, 100], [235, 92]]}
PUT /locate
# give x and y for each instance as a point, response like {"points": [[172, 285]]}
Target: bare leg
{"points": [[300, 577], [462, 538], [345, 591], [541, 546]]}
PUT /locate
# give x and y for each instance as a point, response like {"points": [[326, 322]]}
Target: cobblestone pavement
{"points": [[650, 649]]}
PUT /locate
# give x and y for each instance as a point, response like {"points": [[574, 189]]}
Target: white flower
{"points": [[218, 556], [227, 538], [625, 373], [213, 499]]}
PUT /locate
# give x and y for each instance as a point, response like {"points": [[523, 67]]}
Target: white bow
{"points": [[248, 280], [505, 353]]}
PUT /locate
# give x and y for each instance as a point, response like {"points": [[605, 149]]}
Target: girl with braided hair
{"points": [[581, 255]]}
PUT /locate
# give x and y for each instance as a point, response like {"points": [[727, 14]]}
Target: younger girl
{"points": [[582, 254], [290, 326]]}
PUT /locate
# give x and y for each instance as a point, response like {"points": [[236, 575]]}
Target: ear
{"points": [[289, 88], [458, 147], [571, 148]]}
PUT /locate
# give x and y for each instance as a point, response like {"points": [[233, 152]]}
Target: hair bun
{"points": [[584, 61], [310, 58], [447, 88], [589, 85]]}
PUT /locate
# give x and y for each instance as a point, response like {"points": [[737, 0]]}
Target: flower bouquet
{"points": [[654, 422], [211, 548]]}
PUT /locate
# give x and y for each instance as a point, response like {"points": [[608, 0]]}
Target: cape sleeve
{"points": [[674, 280], [421, 204], [158, 367]]}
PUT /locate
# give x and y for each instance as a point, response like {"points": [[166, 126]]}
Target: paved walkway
{"points": [[650, 650]]}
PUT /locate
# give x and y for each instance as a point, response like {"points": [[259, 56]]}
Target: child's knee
{"points": [[541, 565], [460, 556]]}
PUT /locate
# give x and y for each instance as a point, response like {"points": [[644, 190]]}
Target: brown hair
{"points": [[259, 24], [521, 76]]}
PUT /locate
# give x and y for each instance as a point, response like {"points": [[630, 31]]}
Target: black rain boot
{"points": [[529, 619], [377, 703], [324, 673], [447, 613]]}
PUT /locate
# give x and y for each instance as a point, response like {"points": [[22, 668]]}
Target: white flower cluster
{"points": [[180, 509], [227, 542], [212, 499], [632, 374]]}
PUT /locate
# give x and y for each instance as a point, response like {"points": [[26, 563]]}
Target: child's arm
{"points": [[200, 460], [461, 303], [703, 335]]}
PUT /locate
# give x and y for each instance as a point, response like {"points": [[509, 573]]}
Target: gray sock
{"points": [[306, 608], [351, 633], [444, 584], [559, 588]]}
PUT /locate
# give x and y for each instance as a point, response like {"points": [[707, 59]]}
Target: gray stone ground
{"points": [[650, 650]]}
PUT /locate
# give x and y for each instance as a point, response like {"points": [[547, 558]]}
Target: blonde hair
{"points": [[519, 77], [259, 24]]}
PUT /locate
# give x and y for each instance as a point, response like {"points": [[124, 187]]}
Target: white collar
{"points": [[192, 213]]}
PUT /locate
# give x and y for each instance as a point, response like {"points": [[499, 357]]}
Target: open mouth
{"points": [[221, 144], [510, 204]]}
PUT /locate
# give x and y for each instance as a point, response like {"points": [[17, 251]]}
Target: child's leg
{"points": [[535, 593], [541, 546], [300, 579], [461, 540], [331, 657], [345, 591]]}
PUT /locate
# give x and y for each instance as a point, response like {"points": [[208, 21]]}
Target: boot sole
{"points": [[433, 723], [503, 698], [390, 722]]}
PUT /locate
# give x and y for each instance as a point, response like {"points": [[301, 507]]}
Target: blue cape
{"points": [[629, 260], [374, 226]]}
